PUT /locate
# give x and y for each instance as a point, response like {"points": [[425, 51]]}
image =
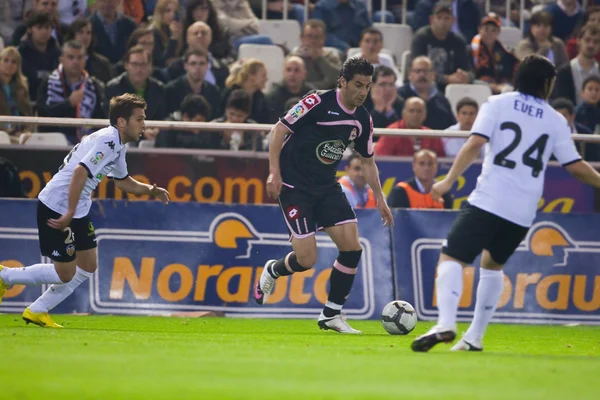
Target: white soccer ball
{"points": [[399, 317]]}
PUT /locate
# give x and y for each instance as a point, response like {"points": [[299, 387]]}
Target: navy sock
{"points": [[278, 268], [341, 280]]}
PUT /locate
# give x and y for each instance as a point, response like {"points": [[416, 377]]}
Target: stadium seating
{"points": [[404, 60], [479, 93], [353, 51], [510, 37], [46, 139], [285, 33], [271, 55], [4, 138], [147, 144], [397, 38]]}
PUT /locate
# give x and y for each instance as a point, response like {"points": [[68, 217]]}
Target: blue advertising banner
{"points": [[553, 277], [188, 257]]}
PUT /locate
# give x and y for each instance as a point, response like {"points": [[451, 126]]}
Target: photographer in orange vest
{"points": [[355, 186], [416, 192]]}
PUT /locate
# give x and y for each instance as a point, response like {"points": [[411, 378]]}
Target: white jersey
{"points": [[523, 133], [101, 154]]}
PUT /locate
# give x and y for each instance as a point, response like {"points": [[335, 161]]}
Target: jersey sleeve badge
{"points": [[302, 108]]}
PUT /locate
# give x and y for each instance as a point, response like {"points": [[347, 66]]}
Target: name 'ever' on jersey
{"points": [[523, 133], [101, 154], [320, 130]]}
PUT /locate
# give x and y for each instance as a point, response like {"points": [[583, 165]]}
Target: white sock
{"points": [[489, 291], [448, 290], [58, 292], [36, 274]]}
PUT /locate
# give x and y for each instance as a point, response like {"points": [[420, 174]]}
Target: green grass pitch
{"points": [[102, 357]]}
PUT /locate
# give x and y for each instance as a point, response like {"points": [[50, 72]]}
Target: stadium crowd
{"points": [[67, 58]]}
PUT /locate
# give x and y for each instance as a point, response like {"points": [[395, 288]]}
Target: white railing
{"points": [[216, 126]]}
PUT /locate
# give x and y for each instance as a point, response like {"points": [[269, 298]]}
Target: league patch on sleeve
{"points": [[303, 107]]}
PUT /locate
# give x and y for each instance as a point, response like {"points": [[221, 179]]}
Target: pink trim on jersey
{"points": [[305, 224], [351, 122], [298, 226], [370, 149], [286, 140], [343, 269], [285, 184], [337, 96], [286, 127]]}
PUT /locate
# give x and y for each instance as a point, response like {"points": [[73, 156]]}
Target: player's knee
{"points": [[307, 259], [350, 259], [65, 274], [90, 267]]}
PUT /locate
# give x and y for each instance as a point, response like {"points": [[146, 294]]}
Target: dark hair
{"points": [[534, 75], [353, 156], [134, 50], [584, 21], [315, 23], [122, 106], [211, 21], [195, 52], [383, 70], [240, 100], [73, 44], [371, 31], [355, 66], [592, 29], [195, 104], [77, 26], [40, 18], [539, 18], [563, 103], [137, 34], [591, 78], [466, 101]]}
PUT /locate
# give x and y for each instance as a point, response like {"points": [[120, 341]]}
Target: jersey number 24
{"points": [[536, 164]]}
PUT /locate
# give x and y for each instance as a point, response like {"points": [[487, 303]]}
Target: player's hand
{"points": [[386, 213], [274, 184], [160, 193], [61, 223], [440, 188]]}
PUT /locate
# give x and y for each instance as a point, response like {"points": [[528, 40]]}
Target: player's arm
{"points": [[583, 171], [130, 185], [371, 174], [80, 175], [467, 154], [274, 181]]}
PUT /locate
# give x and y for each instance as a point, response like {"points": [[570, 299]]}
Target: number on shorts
{"points": [[536, 164], [70, 237]]}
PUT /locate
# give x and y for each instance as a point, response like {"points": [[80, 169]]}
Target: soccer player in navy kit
{"points": [[306, 146]]}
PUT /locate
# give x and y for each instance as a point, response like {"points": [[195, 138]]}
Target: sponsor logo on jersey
{"points": [[110, 144], [333, 112], [97, 158], [99, 177], [70, 250], [303, 106], [353, 135], [331, 151], [292, 212], [55, 254]]}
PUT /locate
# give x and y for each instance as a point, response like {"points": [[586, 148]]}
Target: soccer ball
{"points": [[398, 317]]}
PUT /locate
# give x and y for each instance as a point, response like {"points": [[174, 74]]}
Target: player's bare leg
{"points": [[489, 291], [342, 276], [301, 259], [57, 293], [448, 290]]}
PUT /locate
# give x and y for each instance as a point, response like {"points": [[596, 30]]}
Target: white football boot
{"points": [[337, 324], [265, 284], [463, 345]]}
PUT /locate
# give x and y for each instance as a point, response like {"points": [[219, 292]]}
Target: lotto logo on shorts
{"points": [[70, 250], [293, 213]]}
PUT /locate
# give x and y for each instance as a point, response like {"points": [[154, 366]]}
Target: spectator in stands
{"points": [[136, 10], [237, 111], [251, 76], [293, 85], [540, 41], [491, 61], [275, 10], [142, 36], [413, 115], [591, 16], [354, 185], [467, 13], [383, 102], [589, 151], [111, 30], [416, 192], [238, 17], [70, 10], [204, 11], [59, 29], [137, 80], [194, 108], [168, 40], [569, 78], [566, 14], [196, 65], [587, 113], [10, 18], [466, 111], [39, 52], [14, 98], [446, 49], [199, 36], [344, 19], [70, 92], [421, 83], [96, 65], [322, 64], [371, 44]]}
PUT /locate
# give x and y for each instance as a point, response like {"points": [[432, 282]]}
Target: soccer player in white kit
{"points": [[522, 131], [66, 232]]}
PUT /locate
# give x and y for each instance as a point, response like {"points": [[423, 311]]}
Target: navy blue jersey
{"points": [[320, 130]]}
